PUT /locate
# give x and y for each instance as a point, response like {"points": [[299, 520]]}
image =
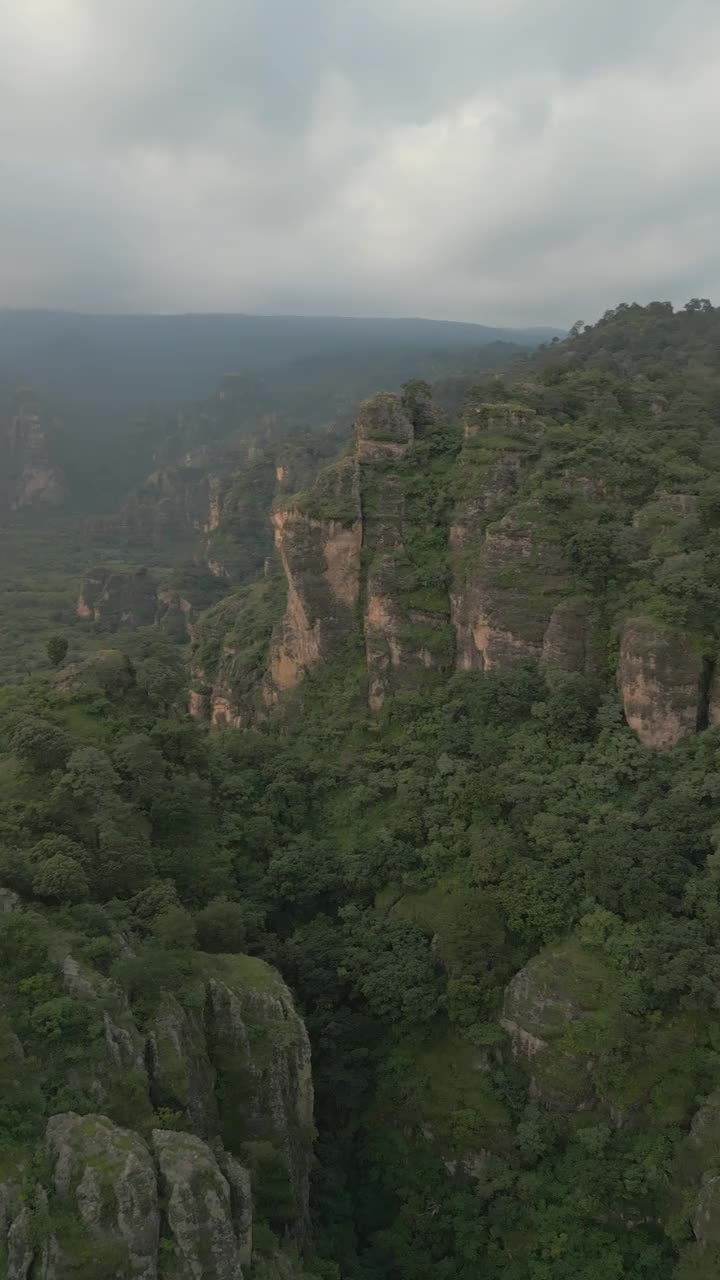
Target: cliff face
{"points": [[217, 469], [114, 599], [508, 575], [141, 1199], [33, 477], [661, 679], [230, 655], [383, 434], [480, 545], [318, 542], [344, 547]]}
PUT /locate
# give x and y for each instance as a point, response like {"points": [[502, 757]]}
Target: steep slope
{"points": [[157, 1115], [31, 474], [470, 811], [564, 520]]}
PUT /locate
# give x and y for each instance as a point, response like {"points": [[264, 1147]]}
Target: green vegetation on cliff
{"points": [[493, 893]]}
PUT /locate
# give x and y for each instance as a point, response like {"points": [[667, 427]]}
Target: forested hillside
{"points": [[363, 923], [124, 361]]}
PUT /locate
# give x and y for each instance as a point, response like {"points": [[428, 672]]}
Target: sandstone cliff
{"points": [[481, 543], [344, 547], [662, 681], [32, 474], [318, 539]]}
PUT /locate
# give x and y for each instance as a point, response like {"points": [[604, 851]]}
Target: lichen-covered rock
{"points": [[260, 1048], [116, 599], [240, 1183], [182, 1078], [16, 1231], [706, 1219], [123, 1043], [104, 1176], [559, 991], [199, 1209], [660, 676], [694, 1189], [232, 1067], [20, 1246]]}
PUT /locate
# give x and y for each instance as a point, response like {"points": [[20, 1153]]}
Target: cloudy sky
{"points": [[504, 161]]}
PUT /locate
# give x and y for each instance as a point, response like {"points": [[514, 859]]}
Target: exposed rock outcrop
{"points": [[521, 580], [572, 640], [660, 676], [232, 1072], [106, 1177], [383, 428], [401, 637], [33, 476], [206, 1232], [262, 1053], [175, 616], [115, 598], [557, 991], [181, 1075], [318, 540], [695, 1181], [505, 591]]}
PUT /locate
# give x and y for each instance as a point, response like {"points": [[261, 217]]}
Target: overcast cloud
{"points": [[504, 161]]}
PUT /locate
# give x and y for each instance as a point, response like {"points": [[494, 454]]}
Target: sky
{"points": [[502, 161]]}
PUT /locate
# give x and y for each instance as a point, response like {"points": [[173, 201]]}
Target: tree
{"points": [[40, 744], [174, 929], [223, 926], [57, 647], [61, 879]]}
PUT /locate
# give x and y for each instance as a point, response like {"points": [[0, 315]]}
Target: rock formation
{"points": [[33, 476], [557, 991], [524, 537], [660, 675], [318, 541], [117, 598], [233, 1070]]}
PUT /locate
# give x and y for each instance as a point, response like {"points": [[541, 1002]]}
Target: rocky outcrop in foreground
{"points": [[231, 1073]]}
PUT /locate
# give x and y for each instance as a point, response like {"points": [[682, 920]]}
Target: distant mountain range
{"points": [[130, 360]]}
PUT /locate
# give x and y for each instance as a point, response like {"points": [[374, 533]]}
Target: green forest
{"points": [[448, 805]]}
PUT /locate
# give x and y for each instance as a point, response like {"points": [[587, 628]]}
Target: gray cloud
{"points": [[497, 160]]}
